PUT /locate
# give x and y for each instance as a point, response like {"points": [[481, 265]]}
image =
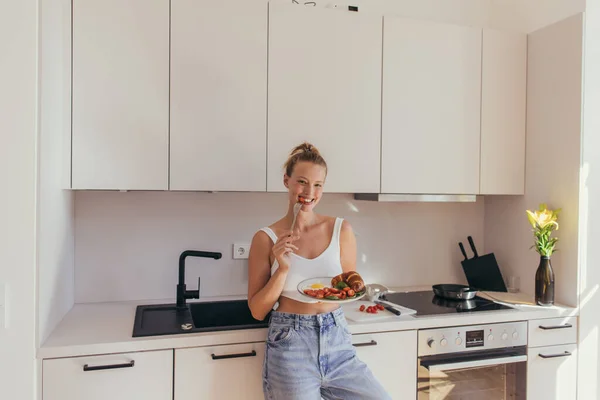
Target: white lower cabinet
{"points": [[142, 375], [392, 357], [552, 372], [220, 372]]}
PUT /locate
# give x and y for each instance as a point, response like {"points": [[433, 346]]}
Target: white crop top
{"points": [[326, 264]]}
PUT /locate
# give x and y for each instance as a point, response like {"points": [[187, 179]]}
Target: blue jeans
{"points": [[309, 357]]}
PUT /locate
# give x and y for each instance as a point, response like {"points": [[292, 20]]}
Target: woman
{"points": [[309, 352]]}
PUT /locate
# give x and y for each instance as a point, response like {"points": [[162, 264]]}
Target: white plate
{"points": [[325, 281]]}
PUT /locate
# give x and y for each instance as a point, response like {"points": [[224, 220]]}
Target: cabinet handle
{"points": [[556, 327], [371, 343], [565, 354], [239, 355], [112, 366]]}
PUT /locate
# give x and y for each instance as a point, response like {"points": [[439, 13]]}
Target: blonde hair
{"points": [[304, 152]]}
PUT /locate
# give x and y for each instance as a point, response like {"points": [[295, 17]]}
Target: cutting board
{"points": [[351, 311]]}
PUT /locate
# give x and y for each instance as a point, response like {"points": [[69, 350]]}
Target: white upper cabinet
{"points": [[325, 88], [431, 108], [218, 95], [120, 131], [503, 109]]}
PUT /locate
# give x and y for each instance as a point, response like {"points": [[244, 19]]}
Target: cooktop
{"points": [[427, 303]]}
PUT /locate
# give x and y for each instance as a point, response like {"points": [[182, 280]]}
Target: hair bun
{"points": [[304, 147], [305, 151]]}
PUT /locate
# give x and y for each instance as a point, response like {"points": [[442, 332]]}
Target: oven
{"points": [[473, 362]]}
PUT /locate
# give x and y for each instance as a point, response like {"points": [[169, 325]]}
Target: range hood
{"points": [[420, 198]]}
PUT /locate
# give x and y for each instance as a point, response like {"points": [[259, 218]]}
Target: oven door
{"points": [[490, 375]]}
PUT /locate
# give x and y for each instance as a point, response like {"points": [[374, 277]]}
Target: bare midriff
{"points": [[288, 305]]}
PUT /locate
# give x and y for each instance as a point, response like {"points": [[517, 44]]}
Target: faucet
{"points": [[183, 294]]}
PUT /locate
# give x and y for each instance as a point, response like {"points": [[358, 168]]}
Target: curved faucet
{"points": [[183, 294]]}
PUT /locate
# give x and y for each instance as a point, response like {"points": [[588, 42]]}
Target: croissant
{"points": [[350, 278]]}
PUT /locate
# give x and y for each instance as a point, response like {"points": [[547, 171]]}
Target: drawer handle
{"points": [[565, 354], [112, 366], [556, 327], [371, 343], [239, 355]]}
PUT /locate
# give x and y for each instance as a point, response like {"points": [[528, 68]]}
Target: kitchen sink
{"points": [[223, 315], [166, 319]]}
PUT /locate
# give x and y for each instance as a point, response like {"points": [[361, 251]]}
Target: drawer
{"points": [[390, 355], [127, 376], [220, 372], [552, 372], [552, 331]]}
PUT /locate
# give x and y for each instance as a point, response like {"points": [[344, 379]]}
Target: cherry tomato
{"points": [[350, 292], [346, 289], [380, 307], [362, 308]]}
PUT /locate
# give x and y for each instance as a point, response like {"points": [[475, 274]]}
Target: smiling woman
{"points": [[309, 351]]}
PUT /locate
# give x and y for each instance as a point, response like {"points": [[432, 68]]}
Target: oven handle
{"points": [[484, 362]]}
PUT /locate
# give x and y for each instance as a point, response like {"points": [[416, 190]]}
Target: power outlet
{"points": [[240, 251]]}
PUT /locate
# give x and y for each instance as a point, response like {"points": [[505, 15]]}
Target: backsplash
{"points": [[127, 245]]}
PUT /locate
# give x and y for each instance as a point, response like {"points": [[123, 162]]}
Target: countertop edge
{"points": [[67, 340]]}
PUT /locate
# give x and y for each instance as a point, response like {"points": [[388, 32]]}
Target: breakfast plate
{"points": [[320, 289]]}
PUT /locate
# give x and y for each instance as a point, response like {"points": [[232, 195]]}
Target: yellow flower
{"points": [[543, 217], [543, 222]]}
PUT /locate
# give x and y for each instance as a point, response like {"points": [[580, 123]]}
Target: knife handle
{"points": [[462, 250], [472, 246], [392, 310], [389, 308]]}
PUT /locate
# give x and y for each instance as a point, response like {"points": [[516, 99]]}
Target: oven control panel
{"points": [[472, 337]]}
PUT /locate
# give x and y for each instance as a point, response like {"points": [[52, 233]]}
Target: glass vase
{"points": [[544, 283]]}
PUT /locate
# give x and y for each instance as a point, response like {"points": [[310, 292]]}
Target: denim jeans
{"points": [[309, 357]]}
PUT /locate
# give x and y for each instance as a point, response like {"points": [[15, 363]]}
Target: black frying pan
{"points": [[459, 305], [454, 291]]}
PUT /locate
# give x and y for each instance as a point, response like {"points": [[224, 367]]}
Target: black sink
{"points": [[166, 319]]}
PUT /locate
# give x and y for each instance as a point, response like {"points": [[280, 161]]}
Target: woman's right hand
{"points": [[284, 246]]}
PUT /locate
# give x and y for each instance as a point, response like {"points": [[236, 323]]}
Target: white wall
{"points": [[18, 136], [589, 212], [513, 15], [128, 244], [531, 15], [552, 162], [56, 232]]}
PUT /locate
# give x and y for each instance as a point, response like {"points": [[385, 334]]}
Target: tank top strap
{"points": [[337, 228], [271, 234]]}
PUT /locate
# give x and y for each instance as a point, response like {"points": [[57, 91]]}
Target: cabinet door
{"points": [[431, 108], [218, 95], [503, 107], [209, 371], [392, 357], [552, 372], [120, 135], [325, 88], [144, 375]]}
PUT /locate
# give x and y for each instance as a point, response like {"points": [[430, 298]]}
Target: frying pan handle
{"points": [[473, 246], [462, 250]]}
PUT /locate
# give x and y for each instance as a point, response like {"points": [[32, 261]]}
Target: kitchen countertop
{"points": [[104, 328]]}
